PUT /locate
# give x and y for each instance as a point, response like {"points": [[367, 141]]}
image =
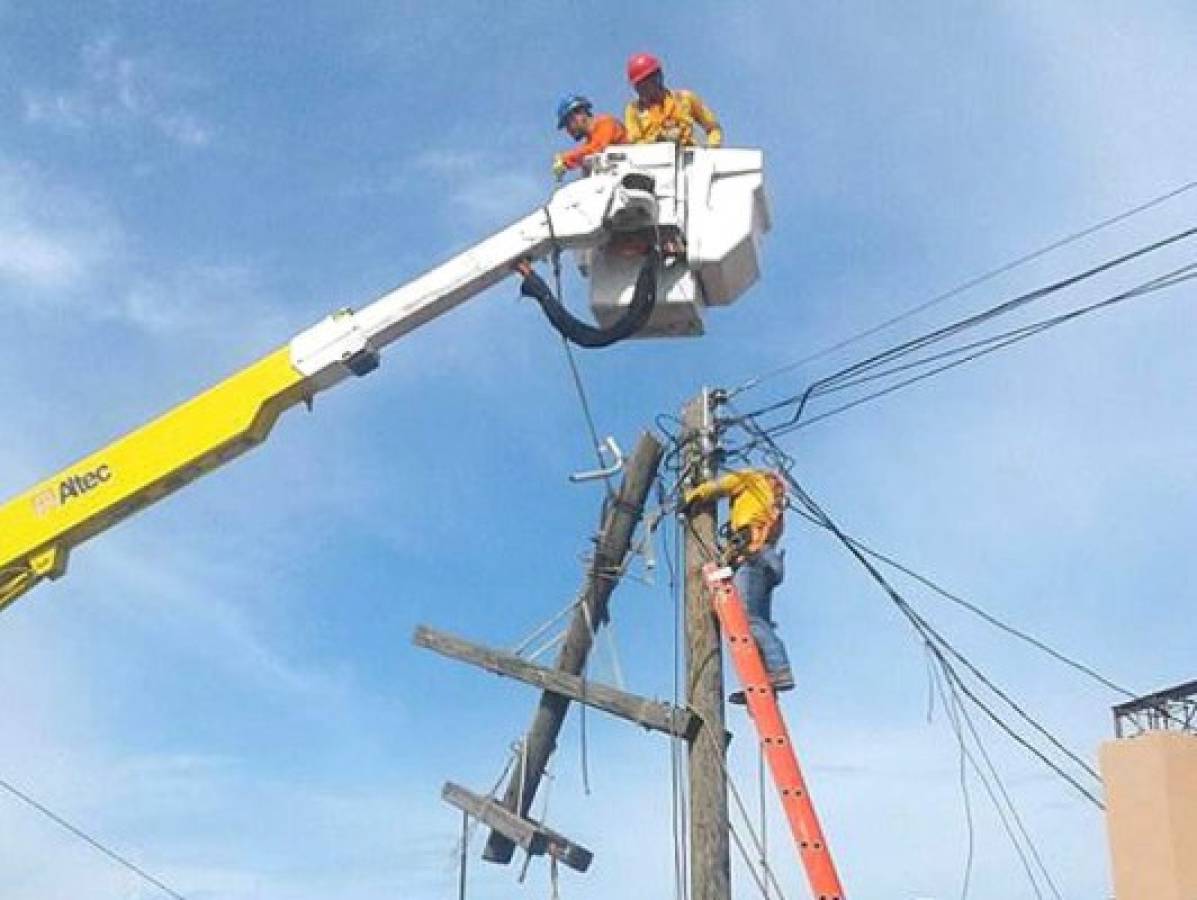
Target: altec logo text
{"points": [[70, 488]]}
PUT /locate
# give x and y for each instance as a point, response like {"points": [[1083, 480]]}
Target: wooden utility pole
{"points": [[621, 515], [710, 851]]}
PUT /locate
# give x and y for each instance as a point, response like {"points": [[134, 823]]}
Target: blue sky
{"points": [[224, 687]]}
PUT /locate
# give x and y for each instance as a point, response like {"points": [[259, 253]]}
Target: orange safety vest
{"points": [[605, 131]]}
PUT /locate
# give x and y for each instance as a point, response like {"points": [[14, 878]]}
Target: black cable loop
{"points": [[573, 329]]}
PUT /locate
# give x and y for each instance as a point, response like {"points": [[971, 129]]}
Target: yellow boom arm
{"points": [[38, 528], [708, 201]]}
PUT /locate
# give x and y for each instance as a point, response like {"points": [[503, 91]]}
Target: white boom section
{"points": [[711, 202], [704, 210], [581, 214]]}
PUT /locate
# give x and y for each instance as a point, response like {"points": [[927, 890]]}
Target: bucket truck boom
{"points": [[709, 205]]}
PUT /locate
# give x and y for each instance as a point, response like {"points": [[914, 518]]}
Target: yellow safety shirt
{"points": [[757, 503], [673, 119]]}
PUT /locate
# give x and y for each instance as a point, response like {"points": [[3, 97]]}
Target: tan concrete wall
{"points": [[1151, 799]]}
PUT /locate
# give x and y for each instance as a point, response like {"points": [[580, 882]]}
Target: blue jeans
{"points": [[755, 579]]}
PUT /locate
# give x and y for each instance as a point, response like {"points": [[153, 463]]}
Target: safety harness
{"points": [[751, 539]]}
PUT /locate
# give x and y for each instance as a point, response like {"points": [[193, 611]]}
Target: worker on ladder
{"points": [[755, 525], [659, 114], [575, 115]]}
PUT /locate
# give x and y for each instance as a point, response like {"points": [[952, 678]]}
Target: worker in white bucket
{"points": [[660, 114], [755, 525], [575, 116]]}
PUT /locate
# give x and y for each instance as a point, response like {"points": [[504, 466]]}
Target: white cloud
{"points": [[208, 822], [490, 197], [201, 299], [482, 191], [185, 128], [222, 830], [1120, 86], [39, 259], [51, 238], [167, 593], [63, 250], [119, 89], [170, 593], [861, 777], [64, 111]]}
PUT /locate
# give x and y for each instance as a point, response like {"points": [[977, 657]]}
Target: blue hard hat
{"points": [[568, 105]]}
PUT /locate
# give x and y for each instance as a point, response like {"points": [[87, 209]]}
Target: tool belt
{"points": [[735, 544], [748, 540], [742, 543]]}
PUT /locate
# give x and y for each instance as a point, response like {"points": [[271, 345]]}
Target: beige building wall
{"points": [[1151, 800]]}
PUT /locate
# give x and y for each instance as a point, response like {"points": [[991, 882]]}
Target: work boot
{"points": [[781, 680]]}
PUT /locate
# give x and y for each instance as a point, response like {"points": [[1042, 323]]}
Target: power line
{"points": [[952, 329], [1169, 279], [944, 654], [936, 641], [938, 644], [976, 610], [967, 285], [88, 839], [677, 787], [999, 342], [767, 876], [986, 346], [579, 387], [972, 321], [997, 792], [955, 711], [939, 589], [1005, 726], [965, 758]]}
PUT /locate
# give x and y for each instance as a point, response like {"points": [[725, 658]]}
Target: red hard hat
{"points": [[641, 65]]}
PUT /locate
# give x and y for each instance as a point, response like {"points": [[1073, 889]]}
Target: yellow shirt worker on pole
{"points": [[757, 518]]}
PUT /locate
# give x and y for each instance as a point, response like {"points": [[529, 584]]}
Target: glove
{"points": [[559, 166]]}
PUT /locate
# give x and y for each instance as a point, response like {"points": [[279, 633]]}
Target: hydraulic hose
{"points": [[644, 299]]}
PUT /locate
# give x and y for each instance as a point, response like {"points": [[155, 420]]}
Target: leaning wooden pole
{"points": [[619, 520], [710, 850]]}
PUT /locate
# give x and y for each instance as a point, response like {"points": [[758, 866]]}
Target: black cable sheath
{"points": [[644, 300]]}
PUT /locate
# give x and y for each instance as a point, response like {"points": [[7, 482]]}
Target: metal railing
{"points": [[1172, 709]]}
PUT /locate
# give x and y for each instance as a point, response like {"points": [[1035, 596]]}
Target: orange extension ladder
{"points": [[775, 737]]}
